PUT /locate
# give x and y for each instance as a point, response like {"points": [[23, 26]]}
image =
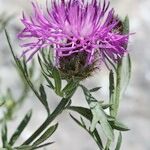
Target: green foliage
{"points": [[20, 128], [96, 114], [26, 74], [94, 134], [57, 80], [95, 89], [45, 135]]}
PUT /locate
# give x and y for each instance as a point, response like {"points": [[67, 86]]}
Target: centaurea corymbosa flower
{"points": [[81, 33]]}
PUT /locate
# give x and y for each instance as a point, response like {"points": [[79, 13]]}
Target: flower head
{"points": [[75, 28]]}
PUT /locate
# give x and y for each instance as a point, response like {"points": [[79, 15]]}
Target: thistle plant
{"points": [[72, 40]]}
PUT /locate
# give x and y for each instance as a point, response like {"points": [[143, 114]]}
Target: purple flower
{"points": [[72, 27]]}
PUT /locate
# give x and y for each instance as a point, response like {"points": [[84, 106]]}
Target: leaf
{"points": [[126, 73], [126, 27], [118, 126], [98, 139], [43, 94], [25, 67], [111, 92], [126, 69], [105, 106], [85, 112], [44, 98], [44, 67], [88, 96], [19, 65], [44, 145], [82, 111], [98, 114], [60, 107], [93, 134], [31, 69], [27, 147], [77, 121], [20, 128], [95, 89], [46, 135], [4, 135], [57, 79], [117, 89], [71, 85], [49, 82], [118, 146]]}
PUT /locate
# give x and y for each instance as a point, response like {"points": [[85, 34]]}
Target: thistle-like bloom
{"points": [[74, 27]]}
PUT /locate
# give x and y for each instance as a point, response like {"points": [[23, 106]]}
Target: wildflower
{"points": [[81, 33]]}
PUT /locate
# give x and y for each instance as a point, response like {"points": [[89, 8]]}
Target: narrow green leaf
{"points": [[41, 63], [82, 121], [105, 106], [85, 112], [19, 65], [70, 85], [118, 146], [126, 27], [60, 107], [44, 145], [4, 134], [129, 68], [98, 114], [20, 128], [44, 98], [112, 93], [25, 67], [44, 55], [57, 79], [46, 135], [43, 94], [88, 96], [98, 138], [118, 126], [43, 67], [126, 62], [50, 84], [69, 88], [93, 134], [28, 147], [110, 118], [126, 73], [77, 121], [31, 69], [82, 111], [95, 89], [117, 89], [25, 147]]}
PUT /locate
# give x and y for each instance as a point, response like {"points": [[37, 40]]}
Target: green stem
{"points": [[56, 112]]}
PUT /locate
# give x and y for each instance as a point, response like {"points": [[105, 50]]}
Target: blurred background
{"points": [[134, 109]]}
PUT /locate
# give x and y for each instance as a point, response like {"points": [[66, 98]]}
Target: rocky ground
{"points": [[134, 109]]}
